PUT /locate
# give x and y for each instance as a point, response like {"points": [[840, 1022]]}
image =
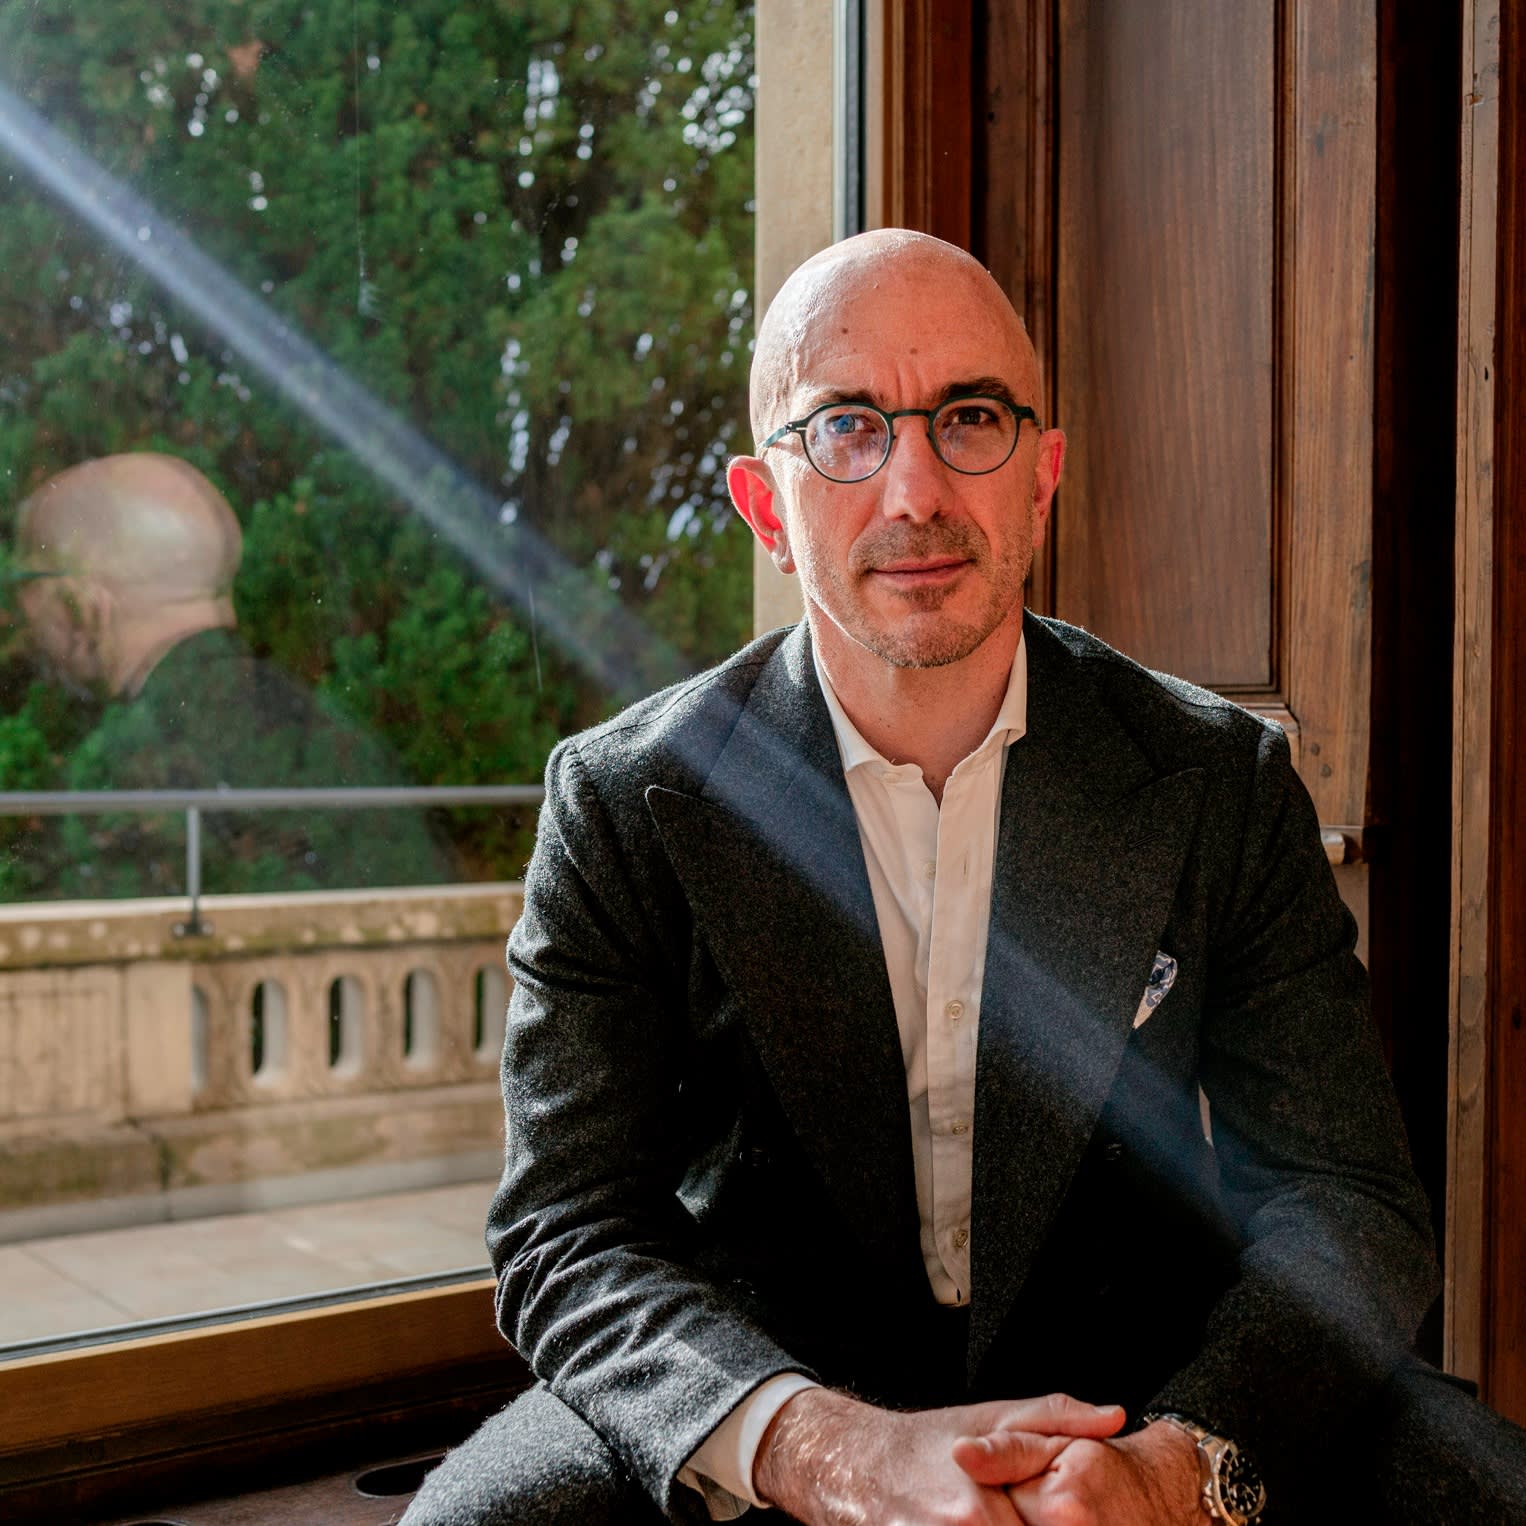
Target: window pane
{"points": [[367, 379]]}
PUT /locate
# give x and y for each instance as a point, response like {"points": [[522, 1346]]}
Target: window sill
{"points": [[99, 1425]]}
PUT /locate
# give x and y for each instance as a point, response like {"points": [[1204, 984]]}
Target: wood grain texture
{"points": [[927, 128], [1012, 214], [106, 1391], [1505, 1355], [329, 1501], [1326, 363], [1166, 255], [1472, 647], [1184, 203]]}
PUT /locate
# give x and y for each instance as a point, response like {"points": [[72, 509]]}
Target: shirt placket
{"points": [[952, 1018]]}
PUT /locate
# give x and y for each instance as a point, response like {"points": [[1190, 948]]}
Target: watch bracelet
{"points": [[1200, 1434]]}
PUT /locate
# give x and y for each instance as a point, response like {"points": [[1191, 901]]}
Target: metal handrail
{"points": [[99, 802], [194, 801]]}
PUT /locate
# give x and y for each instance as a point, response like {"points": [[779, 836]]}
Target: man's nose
{"points": [[916, 480]]}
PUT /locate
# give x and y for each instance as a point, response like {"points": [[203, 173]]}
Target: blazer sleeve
{"points": [[1337, 1268], [598, 1283]]}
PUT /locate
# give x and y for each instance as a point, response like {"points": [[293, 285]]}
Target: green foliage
{"points": [[525, 227]]}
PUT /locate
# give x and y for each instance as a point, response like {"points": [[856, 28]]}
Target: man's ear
{"points": [[1046, 478], [752, 491]]}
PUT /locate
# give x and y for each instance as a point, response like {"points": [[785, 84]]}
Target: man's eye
{"points": [[969, 416], [839, 425]]}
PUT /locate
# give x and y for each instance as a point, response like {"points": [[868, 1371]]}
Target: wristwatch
{"points": [[1232, 1487]]}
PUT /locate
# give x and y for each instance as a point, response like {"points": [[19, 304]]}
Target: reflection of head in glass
{"points": [[128, 555]]}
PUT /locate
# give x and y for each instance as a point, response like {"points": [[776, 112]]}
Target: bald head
{"points": [[142, 550], [149, 525], [848, 295]]}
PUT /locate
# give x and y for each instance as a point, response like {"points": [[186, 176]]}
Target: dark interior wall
{"points": [[1414, 524], [1505, 1167]]}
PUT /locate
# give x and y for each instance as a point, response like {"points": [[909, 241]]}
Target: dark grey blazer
{"points": [[708, 1175]]}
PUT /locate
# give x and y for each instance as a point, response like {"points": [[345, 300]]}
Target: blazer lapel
{"points": [[1090, 848], [769, 856]]}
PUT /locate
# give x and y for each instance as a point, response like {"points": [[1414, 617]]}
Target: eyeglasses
{"points": [[849, 442]]}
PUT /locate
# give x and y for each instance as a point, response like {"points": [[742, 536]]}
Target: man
{"points": [[864, 990], [139, 554], [129, 602]]}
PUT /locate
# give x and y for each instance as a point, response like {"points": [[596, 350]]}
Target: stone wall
{"points": [[306, 1045]]}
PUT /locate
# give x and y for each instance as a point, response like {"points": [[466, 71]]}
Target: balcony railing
{"points": [[298, 1046], [195, 802]]}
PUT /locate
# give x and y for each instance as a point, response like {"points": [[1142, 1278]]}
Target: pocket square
{"points": [[1162, 977]]}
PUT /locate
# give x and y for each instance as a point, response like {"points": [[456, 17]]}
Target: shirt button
{"points": [[961, 1238], [954, 1010], [930, 869], [961, 1127]]}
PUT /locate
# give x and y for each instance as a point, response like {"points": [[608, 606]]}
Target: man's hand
{"points": [[830, 1460], [1148, 1479]]}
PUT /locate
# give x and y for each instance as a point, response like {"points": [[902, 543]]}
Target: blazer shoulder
{"points": [[1170, 717], [670, 738]]}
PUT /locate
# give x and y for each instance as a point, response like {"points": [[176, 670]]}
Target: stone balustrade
{"points": [[305, 1045]]}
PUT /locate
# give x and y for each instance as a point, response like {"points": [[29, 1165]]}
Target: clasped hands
{"points": [[831, 1460]]}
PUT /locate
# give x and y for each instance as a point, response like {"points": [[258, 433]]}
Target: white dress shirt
{"points": [[930, 871]]}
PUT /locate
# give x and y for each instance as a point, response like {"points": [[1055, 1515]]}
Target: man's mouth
{"points": [[921, 571]]}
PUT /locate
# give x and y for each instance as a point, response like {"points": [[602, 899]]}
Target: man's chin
{"points": [[921, 643]]}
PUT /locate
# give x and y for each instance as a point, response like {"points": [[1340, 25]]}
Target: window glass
{"points": [[368, 373]]}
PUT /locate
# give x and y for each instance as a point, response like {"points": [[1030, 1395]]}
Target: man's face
{"points": [[64, 625], [919, 565]]}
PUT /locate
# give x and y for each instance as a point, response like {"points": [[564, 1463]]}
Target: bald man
{"points": [[137, 553], [130, 602], [864, 992]]}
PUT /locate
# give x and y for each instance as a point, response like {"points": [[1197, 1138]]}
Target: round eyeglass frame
{"points": [[1019, 412]]}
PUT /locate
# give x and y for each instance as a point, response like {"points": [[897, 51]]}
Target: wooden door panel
{"points": [[1182, 200], [1163, 371]]}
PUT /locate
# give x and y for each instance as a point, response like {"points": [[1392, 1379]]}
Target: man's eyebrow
{"points": [[978, 386], [828, 396], [973, 386]]}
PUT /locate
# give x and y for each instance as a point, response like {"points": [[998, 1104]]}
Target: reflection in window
{"points": [[517, 251], [367, 380]]}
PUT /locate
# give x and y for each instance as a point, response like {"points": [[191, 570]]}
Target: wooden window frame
{"points": [[99, 1427], [1485, 1293]]}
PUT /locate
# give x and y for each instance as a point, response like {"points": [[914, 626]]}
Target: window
{"points": [[367, 377]]}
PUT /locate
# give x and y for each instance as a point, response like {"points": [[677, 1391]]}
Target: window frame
{"points": [[110, 1411], [115, 1408]]}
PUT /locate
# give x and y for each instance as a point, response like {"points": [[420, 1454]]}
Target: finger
{"points": [[1060, 1415], [1030, 1503], [1007, 1457]]}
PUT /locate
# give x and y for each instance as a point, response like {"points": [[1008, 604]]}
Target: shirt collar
{"points": [[1011, 716]]}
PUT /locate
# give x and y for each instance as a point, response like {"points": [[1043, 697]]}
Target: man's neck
{"points": [[145, 643], [933, 717]]}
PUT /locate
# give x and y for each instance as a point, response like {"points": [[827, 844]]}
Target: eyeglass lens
{"points": [[850, 441]]}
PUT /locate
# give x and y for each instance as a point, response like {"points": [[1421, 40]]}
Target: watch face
{"points": [[1240, 1489]]}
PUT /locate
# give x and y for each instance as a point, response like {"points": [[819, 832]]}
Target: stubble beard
{"points": [[922, 640]]}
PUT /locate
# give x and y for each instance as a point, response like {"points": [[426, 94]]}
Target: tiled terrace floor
{"points": [[77, 1282]]}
